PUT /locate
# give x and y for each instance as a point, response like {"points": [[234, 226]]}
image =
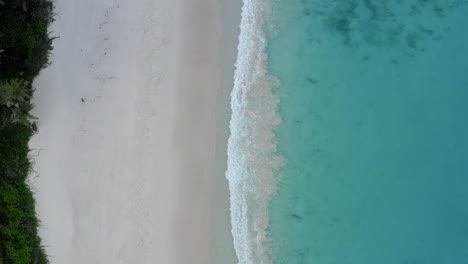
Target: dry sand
{"points": [[127, 132]]}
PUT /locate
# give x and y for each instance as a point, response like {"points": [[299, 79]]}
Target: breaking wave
{"points": [[251, 146]]}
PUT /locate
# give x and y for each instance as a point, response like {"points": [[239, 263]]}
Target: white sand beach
{"points": [[126, 138]]}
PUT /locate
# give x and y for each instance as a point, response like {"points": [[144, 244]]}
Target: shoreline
{"points": [[222, 244], [127, 132]]}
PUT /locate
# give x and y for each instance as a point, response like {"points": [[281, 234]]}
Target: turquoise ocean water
{"points": [[349, 132]]}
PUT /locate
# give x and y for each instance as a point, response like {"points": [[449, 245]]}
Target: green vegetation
{"points": [[25, 47]]}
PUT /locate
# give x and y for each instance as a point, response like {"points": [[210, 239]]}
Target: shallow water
{"points": [[371, 131]]}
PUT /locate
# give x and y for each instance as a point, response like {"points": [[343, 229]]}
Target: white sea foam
{"points": [[251, 147]]}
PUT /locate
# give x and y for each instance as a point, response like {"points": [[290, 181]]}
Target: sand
{"points": [[222, 248], [127, 132]]}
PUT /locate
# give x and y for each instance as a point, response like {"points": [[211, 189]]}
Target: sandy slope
{"points": [[127, 131], [222, 248]]}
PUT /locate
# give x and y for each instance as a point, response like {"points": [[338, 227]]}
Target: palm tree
{"points": [[14, 96], [21, 114], [14, 91]]}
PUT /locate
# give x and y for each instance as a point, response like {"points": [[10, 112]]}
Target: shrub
{"points": [[24, 38], [14, 149], [25, 47]]}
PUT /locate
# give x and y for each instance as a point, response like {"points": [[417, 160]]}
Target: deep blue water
{"points": [[373, 134]]}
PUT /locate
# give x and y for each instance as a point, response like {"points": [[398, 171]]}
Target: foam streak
{"points": [[251, 146]]}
